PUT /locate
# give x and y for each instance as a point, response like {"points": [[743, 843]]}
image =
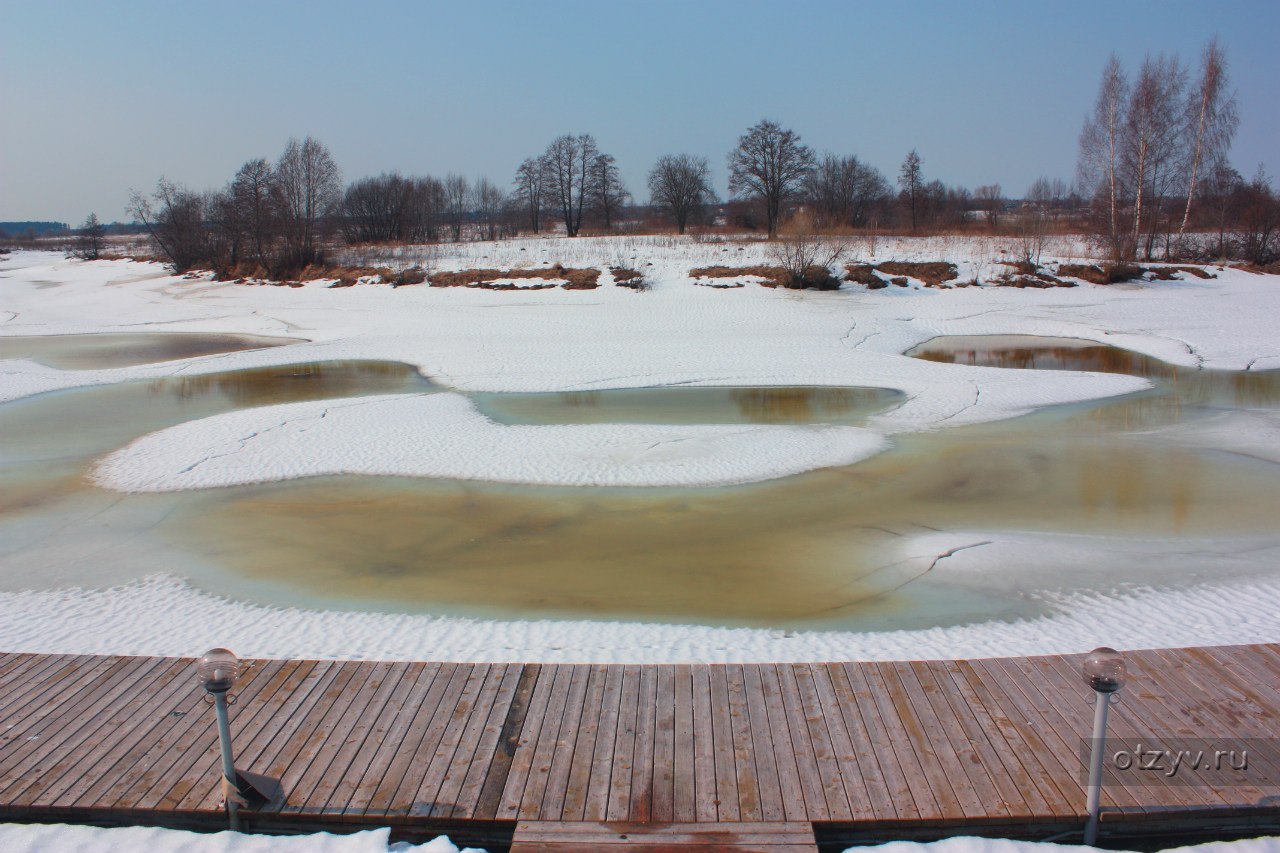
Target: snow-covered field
{"points": [[674, 334]]}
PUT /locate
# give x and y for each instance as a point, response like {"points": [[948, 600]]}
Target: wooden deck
{"points": [[493, 753]]}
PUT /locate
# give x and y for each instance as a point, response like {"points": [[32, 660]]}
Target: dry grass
{"points": [[773, 276], [629, 278], [930, 272], [586, 278]]}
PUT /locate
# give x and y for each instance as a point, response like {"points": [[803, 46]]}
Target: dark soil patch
{"points": [[1037, 280], [1171, 273]]}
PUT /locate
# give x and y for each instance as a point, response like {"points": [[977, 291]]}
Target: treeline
{"points": [[1152, 179], [1153, 165]]}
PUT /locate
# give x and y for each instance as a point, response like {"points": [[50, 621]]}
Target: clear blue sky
{"points": [[98, 98]]}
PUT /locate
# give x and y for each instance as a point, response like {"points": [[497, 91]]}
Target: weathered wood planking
{"points": [[603, 748]]}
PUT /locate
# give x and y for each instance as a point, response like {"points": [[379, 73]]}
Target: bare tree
{"points": [[608, 193], [90, 238], [769, 164], [254, 199], [530, 185], [911, 183], [1211, 112], [457, 203], [1258, 230], [174, 217], [1153, 142], [844, 190], [568, 162], [489, 202], [681, 185], [990, 200], [1099, 159], [308, 189]]}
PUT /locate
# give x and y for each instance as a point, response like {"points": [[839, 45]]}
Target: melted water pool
{"points": [[96, 352], [818, 550]]}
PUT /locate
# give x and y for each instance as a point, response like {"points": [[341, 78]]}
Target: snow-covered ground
{"points": [[673, 334], [37, 838]]}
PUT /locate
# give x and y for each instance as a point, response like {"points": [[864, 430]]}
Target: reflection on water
{"points": [[96, 352], [1184, 386], [817, 550], [73, 426], [785, 405]]}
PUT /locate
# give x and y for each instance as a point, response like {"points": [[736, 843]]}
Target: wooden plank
{"points": [[1020, 742], [685, 766], [130, 770], [605, 754], [802, 698], [407, 796], [479, 737], [750, 801], [774, 760], [78, 766], [827, 711], [728, 837], [522, 762], [456, 724], [1058, 676], [855, 691], [544, 752], [1013, 787], [69, 722], [728, 806], [640, 800], [971, 791], [482, 789], [624, 746], [551, 803], [578, 785], [387, 797], [174, 758], [347, 739], [706, 799], [664, 746], [403, 708]]}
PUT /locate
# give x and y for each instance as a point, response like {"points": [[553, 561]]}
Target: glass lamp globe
{"points": [[217, 670], [1104, 670]]}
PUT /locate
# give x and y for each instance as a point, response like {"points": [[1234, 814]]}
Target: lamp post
{"points": [[217, 671], [1104, 671]]}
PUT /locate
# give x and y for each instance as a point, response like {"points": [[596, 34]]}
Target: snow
{"points": [[676, 333], [442, 435], [47, 838]]}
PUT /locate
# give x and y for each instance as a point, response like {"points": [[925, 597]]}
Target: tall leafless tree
{"points": [[608, 193], [1099, 160], [174, 217], [89, 238], [990, 200], [844, 191], [530, 185], [1152, 142], [681, 185], [568, 162], [911, 185], [457, 204], [769, 164], [1212, 117], [489, 203], [308, 189], [254, 199]]}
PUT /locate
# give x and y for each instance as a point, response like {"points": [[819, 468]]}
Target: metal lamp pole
{"points": [[1104, 671], [217, 671]]}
